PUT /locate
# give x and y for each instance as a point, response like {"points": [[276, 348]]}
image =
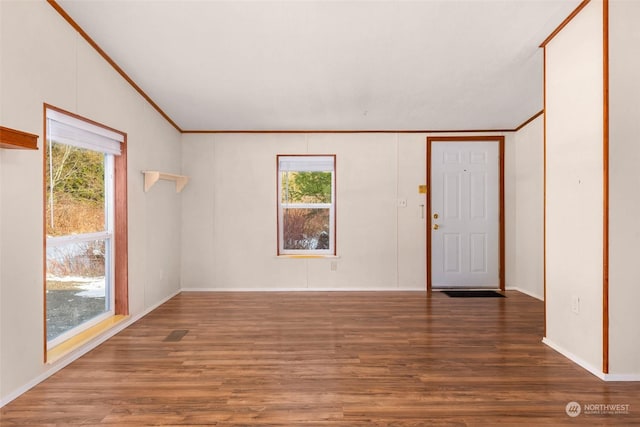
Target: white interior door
{"points": [[465, 214]]}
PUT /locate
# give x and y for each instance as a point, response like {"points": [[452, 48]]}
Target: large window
{"points": [[306, 205], [80, 160]]}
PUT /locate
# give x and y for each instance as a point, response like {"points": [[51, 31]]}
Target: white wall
{"points": [[624, 174], [232, 199], [229, 212], [527, 166], [45, 60], [574, 188]]}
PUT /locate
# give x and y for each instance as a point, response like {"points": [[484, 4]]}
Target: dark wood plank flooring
{"points": [[326, 359]]}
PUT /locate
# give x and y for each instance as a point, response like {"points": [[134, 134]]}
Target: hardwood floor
{"points": [[326, 359]]}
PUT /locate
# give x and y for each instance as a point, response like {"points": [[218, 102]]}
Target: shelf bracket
{"points": [[151, 177]]}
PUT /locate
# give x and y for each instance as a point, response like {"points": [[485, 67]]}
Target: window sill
{"points": [[66, 347], [308, 256]]}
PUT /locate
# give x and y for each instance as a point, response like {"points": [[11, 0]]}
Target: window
{"points": [[306, 205], [83, 161]]}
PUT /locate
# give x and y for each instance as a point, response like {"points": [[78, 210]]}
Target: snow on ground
{"points": [[92, 287]]}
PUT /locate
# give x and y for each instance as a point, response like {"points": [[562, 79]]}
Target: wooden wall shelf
{"points": [[11, 138], [151, 177]]}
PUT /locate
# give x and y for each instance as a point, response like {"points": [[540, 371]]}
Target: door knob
{"points": [[436, 226]]}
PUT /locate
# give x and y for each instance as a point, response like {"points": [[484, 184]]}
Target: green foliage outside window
{"points": [[75, 190], [306, 187], [306, 228]]}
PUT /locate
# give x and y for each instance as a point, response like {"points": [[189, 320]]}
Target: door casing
{"points": [[501, 227]]}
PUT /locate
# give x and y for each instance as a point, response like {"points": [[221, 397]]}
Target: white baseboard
{"points": [[575, 359], [592, 369], [621, 377], [79, 352], [249, 289], [526, 292]]}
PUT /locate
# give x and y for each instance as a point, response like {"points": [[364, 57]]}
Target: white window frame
{"points": [[68, 130], [307, 163]]}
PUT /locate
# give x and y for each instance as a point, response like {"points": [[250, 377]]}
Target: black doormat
{"points": [[474, 294]]}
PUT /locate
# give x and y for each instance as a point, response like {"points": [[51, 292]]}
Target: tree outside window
{"points": [[306, 208]]}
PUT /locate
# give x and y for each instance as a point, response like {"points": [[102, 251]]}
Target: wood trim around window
{"points": [[334, 201], [501, 214], [121, 232], [121, 256], [44, 234]]}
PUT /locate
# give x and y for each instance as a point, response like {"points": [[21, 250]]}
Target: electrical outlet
{"points": [[334, 265], [575, 304], [402, 203]]}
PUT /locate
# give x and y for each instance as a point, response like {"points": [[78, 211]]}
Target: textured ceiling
{"points": [[330, 65]]}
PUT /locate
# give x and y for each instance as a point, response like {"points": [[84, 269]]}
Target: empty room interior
{"points": [[336, 213]]}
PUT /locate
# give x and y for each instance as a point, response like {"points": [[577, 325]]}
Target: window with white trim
{"points": [[79, 182], [306, 205]]}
